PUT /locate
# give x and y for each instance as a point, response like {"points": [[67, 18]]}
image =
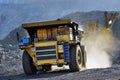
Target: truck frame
{"points": [[50, 43]]}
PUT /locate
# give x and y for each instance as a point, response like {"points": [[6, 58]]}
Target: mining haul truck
{"points": [[52, 43]]}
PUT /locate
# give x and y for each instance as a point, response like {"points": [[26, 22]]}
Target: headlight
{"points": [[33, 49], [60, 47]]}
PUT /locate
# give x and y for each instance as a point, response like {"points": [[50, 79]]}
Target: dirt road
{"points": [[112, 73]]}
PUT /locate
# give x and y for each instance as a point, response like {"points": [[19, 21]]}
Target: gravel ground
{"points": [[11, 69], [111, 73]]}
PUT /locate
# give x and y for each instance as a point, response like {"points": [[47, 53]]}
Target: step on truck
{"points": [[52, 43]]}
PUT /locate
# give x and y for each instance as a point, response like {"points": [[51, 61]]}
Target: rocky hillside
{"points": [[10, 41], [10, 61]]}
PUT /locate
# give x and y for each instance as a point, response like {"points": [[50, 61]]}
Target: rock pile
{"points": [[10, 61]]}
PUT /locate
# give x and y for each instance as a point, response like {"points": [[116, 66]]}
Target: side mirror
{"points": [[18, 37]]}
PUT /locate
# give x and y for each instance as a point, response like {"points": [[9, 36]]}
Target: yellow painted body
{"points": [[45, 43], [43, 62], [38, 24], [42, 44], [49, 34], [28, 49], [63, 38], [49, 61], [42, 34]]}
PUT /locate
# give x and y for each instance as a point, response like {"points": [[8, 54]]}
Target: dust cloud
{"points": [[100, 47]]}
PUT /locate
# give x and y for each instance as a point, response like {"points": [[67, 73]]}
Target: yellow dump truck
{"points": [[52, 43]]}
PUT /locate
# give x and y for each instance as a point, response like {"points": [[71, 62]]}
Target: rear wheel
{"points": [[75, 58], [28, 66], [84, 57]]}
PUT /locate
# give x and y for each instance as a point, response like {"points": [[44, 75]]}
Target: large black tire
{"points": [[84, 56], [46, 68], [28, 66], [75, 58]]}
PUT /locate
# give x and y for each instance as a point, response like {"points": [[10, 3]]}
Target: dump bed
{"points": [[47, 23]]}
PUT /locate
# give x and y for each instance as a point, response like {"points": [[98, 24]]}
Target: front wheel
{"points": [[75, 58], [28, 66]]}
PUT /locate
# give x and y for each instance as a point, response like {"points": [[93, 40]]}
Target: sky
{"points": [[49, 10], [80, 5]]}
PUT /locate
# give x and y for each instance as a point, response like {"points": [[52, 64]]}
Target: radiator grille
{"points": [[46, 52]]}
